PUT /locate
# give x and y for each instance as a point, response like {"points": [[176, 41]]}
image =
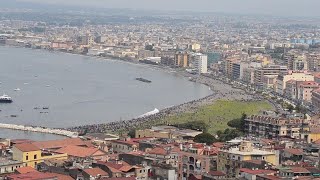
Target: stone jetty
{"points": [[61, 132]]}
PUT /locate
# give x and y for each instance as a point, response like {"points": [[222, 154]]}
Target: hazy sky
{"points": [[277, 7]]}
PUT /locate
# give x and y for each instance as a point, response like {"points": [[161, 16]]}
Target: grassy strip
{"points": [[217, 115]]}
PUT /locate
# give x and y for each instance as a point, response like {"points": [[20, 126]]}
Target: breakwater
{"points": [[61, 132]]}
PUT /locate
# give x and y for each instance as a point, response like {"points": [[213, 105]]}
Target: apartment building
{"points": [[230, 159]]}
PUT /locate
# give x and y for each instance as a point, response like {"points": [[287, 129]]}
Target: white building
{"points": [[297, 76], [200, 63]]}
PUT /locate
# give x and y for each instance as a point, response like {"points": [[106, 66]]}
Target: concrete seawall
{"points": [[40, 130]]}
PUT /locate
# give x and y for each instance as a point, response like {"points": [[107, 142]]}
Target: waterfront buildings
{"points": [[182, 59], [268, 71], [291, 75], [273, 127], [200, 63]]}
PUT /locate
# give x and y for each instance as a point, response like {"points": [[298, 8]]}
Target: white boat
{"points": [[47, 85], [25, 83], [5, 99], [17, 89]]}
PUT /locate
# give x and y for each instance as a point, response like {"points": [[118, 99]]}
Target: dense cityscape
{"points": [[261, 121]]}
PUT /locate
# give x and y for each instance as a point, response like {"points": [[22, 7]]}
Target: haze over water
{"points": [[82, 90]]}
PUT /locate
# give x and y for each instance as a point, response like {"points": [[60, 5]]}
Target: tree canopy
{"points": [[205, 138]]}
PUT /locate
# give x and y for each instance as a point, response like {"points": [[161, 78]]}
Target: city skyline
{"points": [[270, 7]]}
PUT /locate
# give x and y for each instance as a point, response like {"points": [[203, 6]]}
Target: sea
{"points": [[60, 90]]}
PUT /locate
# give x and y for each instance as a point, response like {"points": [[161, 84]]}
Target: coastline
{"points": [[219, 89]]}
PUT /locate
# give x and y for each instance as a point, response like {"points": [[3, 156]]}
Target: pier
{"points": [[61, 132]]}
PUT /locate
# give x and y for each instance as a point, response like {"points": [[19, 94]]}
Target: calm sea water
{"points": [[81, 90], [12, 134]]}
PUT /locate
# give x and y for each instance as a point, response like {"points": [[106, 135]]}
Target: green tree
{"points": [[149, 47], [239, 124], [229, 134], [132, 133], [205, 138]]}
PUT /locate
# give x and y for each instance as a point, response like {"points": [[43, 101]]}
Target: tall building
{"points": [[200, 62], [248, 75], [304, 90], [297, 76], [182, 59], [300, 63], [313, 62], [87, 40], [268, 70], [315, 98]]}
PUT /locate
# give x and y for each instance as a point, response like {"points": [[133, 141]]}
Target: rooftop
{"points": [[258, 171], [24, 170], [26, 147], [78, 151], [294, 151], [55, 144], [253, 152], [95, 172]]}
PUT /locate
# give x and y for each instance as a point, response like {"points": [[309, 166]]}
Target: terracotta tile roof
{"points": [[217, 173], [294, 151], [120, 178], [117, 167], [77, 151], [218, 144], [95, 172], [26, 147], [26, 169], [299, 170], [114, 170], [32, 176], [129, 143], [55, 144], [255, 172], [60, 176], [158, 151]]}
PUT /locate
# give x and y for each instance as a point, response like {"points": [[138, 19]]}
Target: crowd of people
{"points": [[220, 91]]}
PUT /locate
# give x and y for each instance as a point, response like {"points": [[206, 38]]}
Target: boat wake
{"points": [[155, 111]]}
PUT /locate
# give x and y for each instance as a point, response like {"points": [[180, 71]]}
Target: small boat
{"points": [[17, 89], [25, 83], [143, 80], [13, 115], [47, 85], [5, 99], [45, 108], [36, 108]]}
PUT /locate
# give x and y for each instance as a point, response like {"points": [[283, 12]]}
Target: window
{"points": [[27, 158], [35, 156], [35, 163]]}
